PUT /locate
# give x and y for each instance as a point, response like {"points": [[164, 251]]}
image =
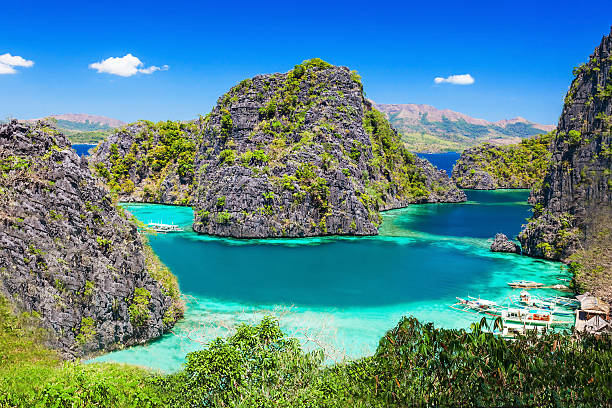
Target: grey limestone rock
{"points": [[503, 244]]}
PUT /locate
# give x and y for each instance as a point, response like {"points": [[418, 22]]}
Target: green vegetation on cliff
{"points": [[156, 150], [259, 366], [514, 166], [591, 264], [32, 375]]}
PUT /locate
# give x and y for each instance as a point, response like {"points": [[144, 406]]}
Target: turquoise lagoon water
{"points": [[342, 294]]}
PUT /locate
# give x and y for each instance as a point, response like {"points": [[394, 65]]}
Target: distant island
{"points": [[427, 129], [82, 128], [489, 167]]}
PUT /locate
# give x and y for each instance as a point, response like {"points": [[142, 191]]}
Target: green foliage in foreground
{"points": [[259, 366], [31, 375]]}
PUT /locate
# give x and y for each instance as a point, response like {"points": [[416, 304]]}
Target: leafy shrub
{"points": [[224, 217], [574, 136], [86, 332], [226, 123], [139, 308], [105, 244], [227, 156], [268, 111]]}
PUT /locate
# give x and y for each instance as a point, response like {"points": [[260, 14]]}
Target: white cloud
{"points": [[8, 63], [464, 79], [153, 68], [125, 66], [5, 69]]}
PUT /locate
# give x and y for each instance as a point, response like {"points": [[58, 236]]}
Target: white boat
{"points": [[477, 304], [526, 300], [512, 330], [523, 284], [164, 228], [533, 317], [562, 301]]}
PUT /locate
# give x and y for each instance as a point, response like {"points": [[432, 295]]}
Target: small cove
{"points": [[344, 292]]}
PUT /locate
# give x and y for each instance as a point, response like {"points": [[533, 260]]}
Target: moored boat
{"points": [[562, 301], [475, 304], [164, 228], [525, 284], [526, 299], [512, 330], [534, 317]]}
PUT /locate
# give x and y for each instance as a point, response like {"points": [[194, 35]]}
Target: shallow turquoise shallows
{"points": [[340, 293]]}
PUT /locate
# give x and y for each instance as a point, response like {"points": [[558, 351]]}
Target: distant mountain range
{"points": [[84, 128], [427, 129], [102, 122], [423, 127]]}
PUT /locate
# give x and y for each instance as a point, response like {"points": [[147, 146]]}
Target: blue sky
{"points": [[520, 54]]}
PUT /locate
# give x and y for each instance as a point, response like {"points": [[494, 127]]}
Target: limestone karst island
{"points": [[306, 205]]}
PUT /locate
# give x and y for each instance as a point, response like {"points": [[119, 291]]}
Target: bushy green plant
{"points": [[224, 217], [227, 156], [86, 331], [139, 308]]}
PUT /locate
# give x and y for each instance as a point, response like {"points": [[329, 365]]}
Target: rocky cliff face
{"points": [[488, 167], [578, 185], [283, 155], [69, 254]]}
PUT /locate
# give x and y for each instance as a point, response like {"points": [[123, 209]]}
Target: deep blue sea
{"points": [[343, 292], [83, 149], [443, 161]]}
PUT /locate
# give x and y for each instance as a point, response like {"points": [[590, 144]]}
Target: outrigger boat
{"points": [[164, 228], [533, 317], [527, 300], [562, 301], [523, 284], [512, 330], [475, 304]]}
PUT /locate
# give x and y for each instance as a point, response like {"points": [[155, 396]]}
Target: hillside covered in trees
{"points": [[487, 167]]}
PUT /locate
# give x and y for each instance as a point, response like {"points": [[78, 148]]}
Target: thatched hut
{"points": [[593, 315]]}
